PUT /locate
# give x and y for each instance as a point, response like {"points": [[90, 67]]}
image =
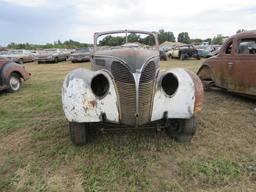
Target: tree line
{"points": [[70, 44], [109, 40]]}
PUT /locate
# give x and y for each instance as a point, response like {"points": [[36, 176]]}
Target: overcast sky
{"points": [[42, 21]]}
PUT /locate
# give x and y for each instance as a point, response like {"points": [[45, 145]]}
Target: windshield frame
{"points": [[98, 34]]}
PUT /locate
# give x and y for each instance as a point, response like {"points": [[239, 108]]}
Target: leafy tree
{"points": [[218, 39], [165, 36], [148, 40], [133, 37], [183, 37], [196, 41], [112, 41]]}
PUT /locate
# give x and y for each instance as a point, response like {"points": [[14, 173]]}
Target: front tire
{"points": [[14, 83], [182, 57], [20, 61], [79, 133], [182, 130]]}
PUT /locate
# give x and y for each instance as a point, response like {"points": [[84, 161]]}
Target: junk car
{"points": [[125, 89], [12, 75], [234, 68], [52, 56], [184, 52], [19, 56], [80, 55], [204, 53]]}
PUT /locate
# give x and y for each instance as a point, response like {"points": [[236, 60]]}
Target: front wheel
{"points": [[20, 61], [182, 57], [182, 130], [79, 133], [14, 83]]}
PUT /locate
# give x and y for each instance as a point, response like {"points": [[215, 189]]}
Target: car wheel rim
{"points": [[14, 83]]}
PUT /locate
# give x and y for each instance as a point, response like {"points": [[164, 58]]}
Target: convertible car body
{"points": [[126, 89], [12, 75], [234, 68]]}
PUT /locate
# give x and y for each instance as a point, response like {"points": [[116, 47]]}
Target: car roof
{"points": [[245, 33]]}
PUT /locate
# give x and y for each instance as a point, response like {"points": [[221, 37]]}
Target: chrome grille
{"points": [[148, 72], [126, 90], [146, 88]]}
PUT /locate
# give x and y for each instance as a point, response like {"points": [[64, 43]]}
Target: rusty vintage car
{"points": [[12, 75], [126, 89], [234, 68], [52, 56], [80, 55], [19, 56], [183, 52]]}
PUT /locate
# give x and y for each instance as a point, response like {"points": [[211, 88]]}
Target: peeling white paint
{"points": [[181, 104], [81, 105], [79, 102]]}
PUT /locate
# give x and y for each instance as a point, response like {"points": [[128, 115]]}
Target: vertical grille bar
{"points": [[146, 88], [127, 92]]}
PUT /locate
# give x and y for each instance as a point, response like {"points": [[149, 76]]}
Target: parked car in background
{"points": [[52, 56], [12, 75], [204, 53], [234, 68], [80, 55], [215, 50], [163, 55], [19, 56], [184, 52], [125, 89]]}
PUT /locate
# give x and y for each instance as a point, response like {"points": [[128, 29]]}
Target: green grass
{"points": [[215, 172], [36, 153]]}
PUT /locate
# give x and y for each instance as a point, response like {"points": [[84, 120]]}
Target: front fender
{"points": [[205, 72], [13, 67], [79, 102], [184, 102]]}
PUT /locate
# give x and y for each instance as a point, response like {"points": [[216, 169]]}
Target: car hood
{"points": [[133, 57]]}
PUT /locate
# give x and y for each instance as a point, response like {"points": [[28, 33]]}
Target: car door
{"points": [[223, 63], [62, 55], [243, 68]]}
